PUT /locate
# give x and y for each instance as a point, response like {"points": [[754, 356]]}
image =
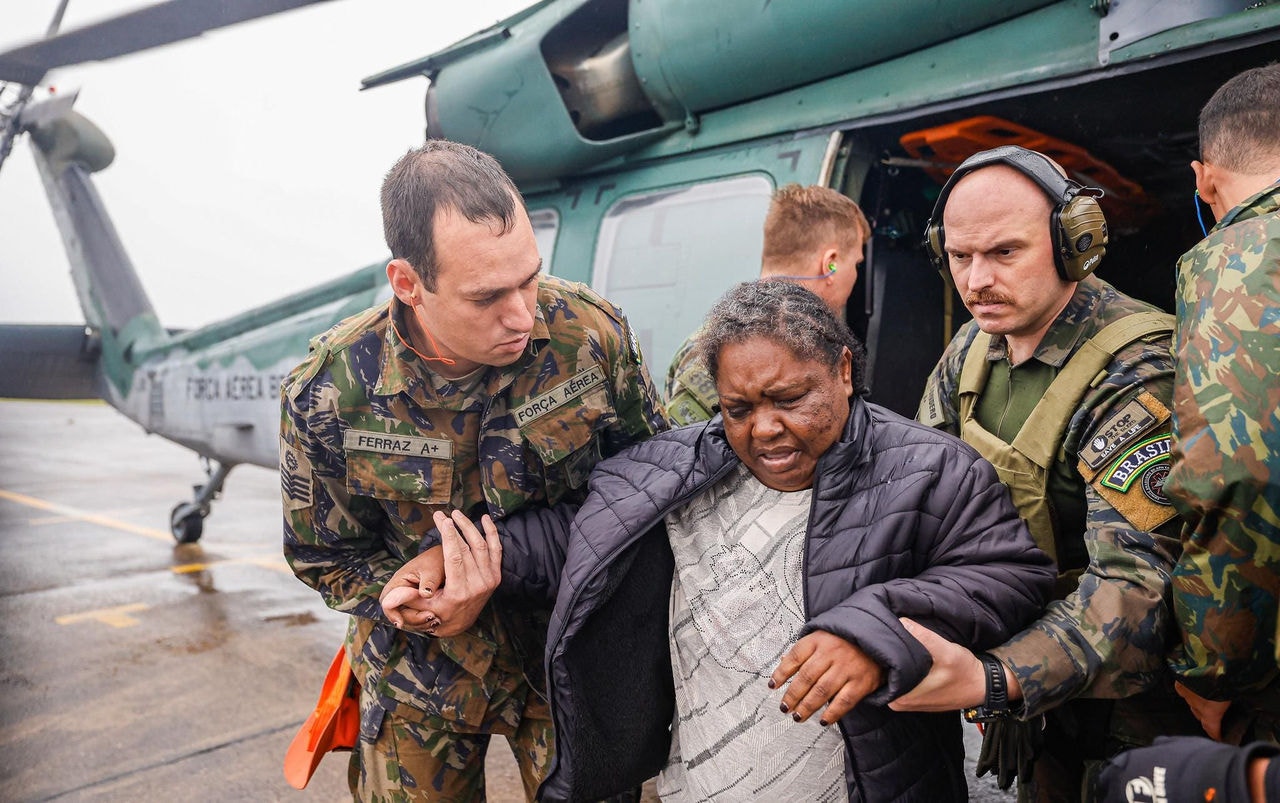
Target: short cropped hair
{"points": [[802, 219], [787, 314], [1240, 125], [442, 175]]}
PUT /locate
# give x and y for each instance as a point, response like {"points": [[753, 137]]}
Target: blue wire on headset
{"points": [[1199, 214]]}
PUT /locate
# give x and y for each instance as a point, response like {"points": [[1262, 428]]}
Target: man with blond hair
{"points": [[813, 236]]}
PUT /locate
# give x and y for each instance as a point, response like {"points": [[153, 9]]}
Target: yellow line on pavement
{"points": [[115, 617], [66, 512], [81, 515]]}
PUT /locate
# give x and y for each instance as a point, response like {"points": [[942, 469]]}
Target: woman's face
{"points": [[781, 413]]}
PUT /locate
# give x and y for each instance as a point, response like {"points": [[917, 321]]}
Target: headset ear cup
{"points": [[1080, 237], [933, 243]]}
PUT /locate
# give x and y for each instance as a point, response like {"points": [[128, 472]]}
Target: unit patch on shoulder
{"points": [[1135, 418], [1138, 462], [295, 478], [1134, 482]]}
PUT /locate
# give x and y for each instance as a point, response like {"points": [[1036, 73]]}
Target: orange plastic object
{"points": [[333, 725], [1125, 203]]}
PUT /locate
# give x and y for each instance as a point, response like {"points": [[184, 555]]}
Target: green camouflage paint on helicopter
{"points": [[1226, 397], [363, 472]]}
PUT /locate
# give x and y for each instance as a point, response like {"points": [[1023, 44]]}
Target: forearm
{"points": [[348, 577], [1107, 639], [1225, 594]]}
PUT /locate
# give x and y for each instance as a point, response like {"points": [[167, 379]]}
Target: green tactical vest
{"points": [[1025, 464]]}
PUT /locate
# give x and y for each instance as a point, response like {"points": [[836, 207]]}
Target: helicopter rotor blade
{"points": [[145, 28]]}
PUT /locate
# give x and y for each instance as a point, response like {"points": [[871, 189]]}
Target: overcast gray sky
{"points": [[247, 163]]}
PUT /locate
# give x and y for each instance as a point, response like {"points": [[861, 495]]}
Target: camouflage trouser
{"points": [[410, 761]]}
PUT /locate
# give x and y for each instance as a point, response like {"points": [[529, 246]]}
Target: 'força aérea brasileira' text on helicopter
{"points": [[647, 136]]}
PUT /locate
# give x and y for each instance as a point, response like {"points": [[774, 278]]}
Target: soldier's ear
{"points": [[1207, 184], [404, 281]]}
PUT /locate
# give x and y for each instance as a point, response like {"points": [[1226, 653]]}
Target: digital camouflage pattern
{"points": [[691, 393], [1109, 637], [1226, 458], [373, 442]]}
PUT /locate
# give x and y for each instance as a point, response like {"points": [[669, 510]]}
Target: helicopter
{"points": [[647, 136]]}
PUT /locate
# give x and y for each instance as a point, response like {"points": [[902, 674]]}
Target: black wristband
{"points": [[996, 704]]}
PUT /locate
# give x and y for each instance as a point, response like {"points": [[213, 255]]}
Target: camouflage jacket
{"points": [[1109, 637], [1226, 453], [373, 442], [691, 395]]}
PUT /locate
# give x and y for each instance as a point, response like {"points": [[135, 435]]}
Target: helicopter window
{"points": [[546, 222], [665, 256]]}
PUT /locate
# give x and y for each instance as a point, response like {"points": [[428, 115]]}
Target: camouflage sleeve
{"points": [[691, 395], [939, 403], [1109, 638], [636, 402], [679, 361], [1226, 473], [331, 538]]}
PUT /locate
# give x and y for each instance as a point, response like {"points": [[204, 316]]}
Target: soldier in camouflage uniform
{"points": [[1085, 469], [485, 386], [1226, 446], [812, 235]]}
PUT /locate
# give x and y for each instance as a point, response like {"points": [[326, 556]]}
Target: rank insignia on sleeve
{"points": [[634, 345], [295, 478]]}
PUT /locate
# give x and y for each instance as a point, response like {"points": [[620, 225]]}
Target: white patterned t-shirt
{"points": [[737, 605]]}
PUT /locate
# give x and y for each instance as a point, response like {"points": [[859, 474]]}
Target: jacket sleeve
{"points": [[1226, 461], [533, 548], [533, 551], [980, 577]]}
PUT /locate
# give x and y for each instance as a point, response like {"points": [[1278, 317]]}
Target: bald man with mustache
{"points": [[1064, 384]]}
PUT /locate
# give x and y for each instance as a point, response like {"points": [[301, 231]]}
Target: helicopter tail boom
{"points": [[68, 148]]}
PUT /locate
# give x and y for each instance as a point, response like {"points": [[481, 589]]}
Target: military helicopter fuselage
{"points": [[647, 136]]}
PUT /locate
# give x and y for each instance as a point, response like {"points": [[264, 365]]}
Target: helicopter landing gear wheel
{"points": [[186, 520], [186, 525]]}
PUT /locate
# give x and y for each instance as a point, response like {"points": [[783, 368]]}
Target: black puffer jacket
{"points": [[906, 521]]}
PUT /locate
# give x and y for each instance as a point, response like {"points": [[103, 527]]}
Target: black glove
{"points": [[1009, 748], [1181, 769]]}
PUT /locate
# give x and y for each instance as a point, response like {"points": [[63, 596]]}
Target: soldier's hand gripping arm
{"points": [[443, 590]]}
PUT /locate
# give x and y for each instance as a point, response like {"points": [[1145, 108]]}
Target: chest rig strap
{"points": [[1024, 464]]}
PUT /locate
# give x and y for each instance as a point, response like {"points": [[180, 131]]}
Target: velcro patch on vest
{"points": [[359, 440], [931, 412], [1134, 419], [559, 395], [295, 478]]}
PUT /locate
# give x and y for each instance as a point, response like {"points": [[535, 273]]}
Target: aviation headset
{"points": [[1077, 225]]}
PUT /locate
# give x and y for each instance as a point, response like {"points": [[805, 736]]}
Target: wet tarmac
{"points": [[135, 669]]}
